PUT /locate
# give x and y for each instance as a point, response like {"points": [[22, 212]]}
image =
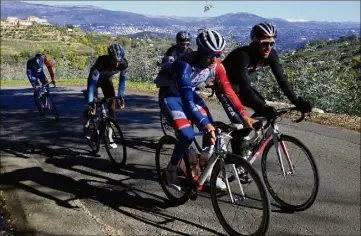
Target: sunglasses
{"points": [[216, 55], [185, 44], [267, 43]]}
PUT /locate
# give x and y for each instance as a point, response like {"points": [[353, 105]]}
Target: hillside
{"points": [[326, 72], [237, 25]]}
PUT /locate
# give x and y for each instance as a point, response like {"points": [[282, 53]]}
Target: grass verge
{"points": [[334, 120]]}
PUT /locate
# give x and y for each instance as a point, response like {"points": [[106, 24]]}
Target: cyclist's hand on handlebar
{"points": [[269, 112], [209, 130], [120, 103], [248, 122], [303, 105], [91, 109]]}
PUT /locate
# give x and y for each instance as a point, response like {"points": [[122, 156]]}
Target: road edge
{"points": [[17, 215]]}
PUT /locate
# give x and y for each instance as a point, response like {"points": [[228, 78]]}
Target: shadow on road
{"points": [[25, 133]]}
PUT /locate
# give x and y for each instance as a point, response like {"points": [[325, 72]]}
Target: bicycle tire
{"points": [[119, 136], [173, 200], [257, 179], [165, 125], [52, 107], [299, 207], [38, 105], [94, 141]]}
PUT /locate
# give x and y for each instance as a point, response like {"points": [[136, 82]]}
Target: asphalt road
{"points": [[55, 186]]}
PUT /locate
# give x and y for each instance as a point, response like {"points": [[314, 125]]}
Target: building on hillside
{"points": [[33, 18], [11, 19], [28, 21]]}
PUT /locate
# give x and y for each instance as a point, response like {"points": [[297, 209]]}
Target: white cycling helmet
{"points": [[210, 41], [263, 30]]}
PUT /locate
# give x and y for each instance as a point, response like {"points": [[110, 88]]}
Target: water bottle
{"points": [[205, 155], [193, 160], [248, 142]]}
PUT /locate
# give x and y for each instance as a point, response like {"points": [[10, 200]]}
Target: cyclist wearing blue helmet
{"points": [[101, 74], [183, 40]]}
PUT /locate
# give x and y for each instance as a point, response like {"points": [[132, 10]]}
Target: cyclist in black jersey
{"points": [[183, 39], [242, 61]]}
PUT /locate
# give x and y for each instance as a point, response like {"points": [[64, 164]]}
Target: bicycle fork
{"points": [[276, 141], [235, 173]]}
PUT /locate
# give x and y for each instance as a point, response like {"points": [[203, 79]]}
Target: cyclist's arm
{"points": [[121, 86], [282, 81], [50, 68], [93, 79], [246, 91], [170, 51], [184, 83], [227, 90]]}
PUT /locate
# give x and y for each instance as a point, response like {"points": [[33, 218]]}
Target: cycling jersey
{"points": [[34, 70], [242, 62], [104, 69]]}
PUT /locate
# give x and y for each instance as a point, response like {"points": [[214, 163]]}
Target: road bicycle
{"points": [[248, 199], [106, 129], [281, 169], [44, 102]]}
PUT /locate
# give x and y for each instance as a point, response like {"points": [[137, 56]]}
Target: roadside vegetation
{"points": [[325, 72]]}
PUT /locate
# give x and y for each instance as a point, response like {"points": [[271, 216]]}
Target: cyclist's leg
{"points": [[173, 108], [35, 83], [108, 90], [43, 81]]}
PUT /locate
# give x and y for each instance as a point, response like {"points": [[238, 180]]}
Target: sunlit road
{"points": [[57, 187]]}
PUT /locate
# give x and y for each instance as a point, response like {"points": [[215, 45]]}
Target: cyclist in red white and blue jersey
{"points": [[35, 72], [181, 103]]}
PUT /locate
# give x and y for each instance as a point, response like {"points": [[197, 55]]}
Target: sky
{"points": [[292, 10]]}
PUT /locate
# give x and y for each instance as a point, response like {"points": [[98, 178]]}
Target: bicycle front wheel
{"points": [[243, 209], [52, 107], [114, 142], [290, 189], [92, 135], [39, 104]]}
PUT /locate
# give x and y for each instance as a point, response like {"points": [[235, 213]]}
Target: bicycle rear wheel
{"points": [[52, 107], [275, 180], [39, 104], [114, 142], [91, 133], [250, 200], [163, 155]]}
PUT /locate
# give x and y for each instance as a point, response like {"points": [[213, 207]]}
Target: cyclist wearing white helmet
{"points": [[181, 103], [101, 73], [243, 61]]}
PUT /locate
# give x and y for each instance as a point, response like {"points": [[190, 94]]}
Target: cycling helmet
{"points": [[263, 29], [210, 41], [182, 36], [116, 51]]}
